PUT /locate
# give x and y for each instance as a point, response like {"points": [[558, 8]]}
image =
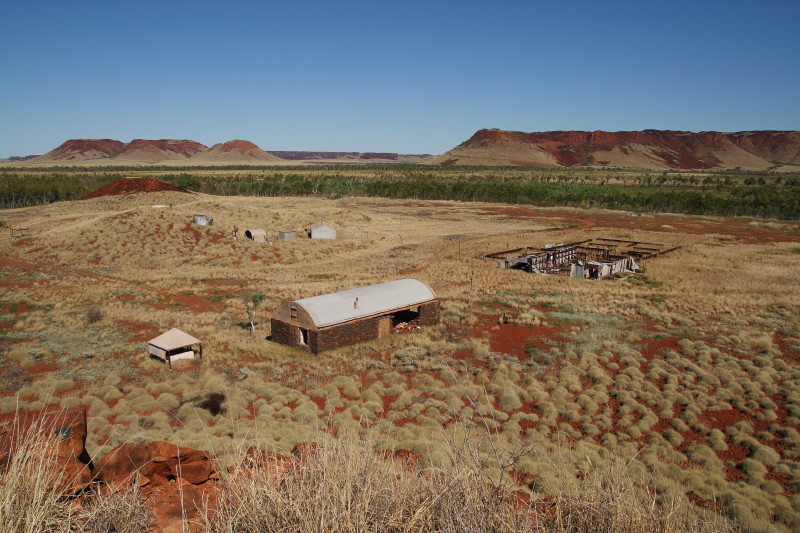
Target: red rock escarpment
{"points": [[632, 149]]}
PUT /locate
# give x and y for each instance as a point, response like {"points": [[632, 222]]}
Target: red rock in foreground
{"points": [[68, 429], [648, 149]]}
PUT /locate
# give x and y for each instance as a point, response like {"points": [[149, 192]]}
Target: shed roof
{"points": [[337, 307], [173, 339]]}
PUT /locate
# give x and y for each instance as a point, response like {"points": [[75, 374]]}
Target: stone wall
{"points": [[347, 334], [283, 333], [429, 313]]}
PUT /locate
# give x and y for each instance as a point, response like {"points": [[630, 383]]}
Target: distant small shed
{"points": [[285, 235], [175, 345], [203, 220], [322, 230], [258, 235]]}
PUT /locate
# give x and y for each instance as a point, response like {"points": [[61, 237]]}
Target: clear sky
{"points": [[408, 77]]}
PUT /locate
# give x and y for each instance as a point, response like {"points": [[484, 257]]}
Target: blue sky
{"points": [[408, 77]]}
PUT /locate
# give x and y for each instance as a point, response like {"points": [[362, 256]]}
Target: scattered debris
{"points": [[407, 327], [203, 220], [19, 232]]}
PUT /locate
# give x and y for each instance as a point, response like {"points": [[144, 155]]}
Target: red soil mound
{"points": [[132, 186]]}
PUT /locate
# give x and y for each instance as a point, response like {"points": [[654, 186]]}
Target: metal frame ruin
{"points": [[597, 258]]}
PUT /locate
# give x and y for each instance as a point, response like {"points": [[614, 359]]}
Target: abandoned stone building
{"points": [[597, 258], [330, 321]]}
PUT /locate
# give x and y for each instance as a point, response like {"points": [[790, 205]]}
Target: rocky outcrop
{"points": [[153, 465], [649, 149], [237, 150], [67, 449], [83, 150], [160, 150], [177, 483]]}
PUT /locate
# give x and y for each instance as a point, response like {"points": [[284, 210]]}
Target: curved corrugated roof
{"points": [[329, 309], [256, 234], [173, 339]]}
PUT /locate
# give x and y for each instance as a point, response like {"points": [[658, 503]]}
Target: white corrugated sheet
{"points": [[329, 309], [173, 339]]}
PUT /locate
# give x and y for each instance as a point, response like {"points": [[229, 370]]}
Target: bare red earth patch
{"points": [[132, 186]]}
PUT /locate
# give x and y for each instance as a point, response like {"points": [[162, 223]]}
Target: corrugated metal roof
{"points": [[329, 309], [173, 339], [256, 234]]}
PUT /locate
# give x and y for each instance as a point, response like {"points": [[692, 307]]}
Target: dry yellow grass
{"points": [[732, 306]]}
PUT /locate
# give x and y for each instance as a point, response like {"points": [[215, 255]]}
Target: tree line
{"points": [[768, 198]]}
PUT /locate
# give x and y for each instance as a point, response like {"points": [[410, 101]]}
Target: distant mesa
{"points": [[18, 158], [647, 149], [350, 156], [132, 185]]}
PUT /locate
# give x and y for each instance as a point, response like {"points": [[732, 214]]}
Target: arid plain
{"points": [[684, 377]]}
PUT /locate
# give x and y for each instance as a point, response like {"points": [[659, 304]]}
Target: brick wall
{"points": [[283, 333], [429, 314], [347, 334], [344, 334]]}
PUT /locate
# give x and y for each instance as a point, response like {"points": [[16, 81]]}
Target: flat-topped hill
{"points": [[647, 149]]}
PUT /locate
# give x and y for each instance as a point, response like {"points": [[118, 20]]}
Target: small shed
{"points": [[330, 321], [203, 220], [258, 235], [322, 230], [175, 345], [285, 235]]}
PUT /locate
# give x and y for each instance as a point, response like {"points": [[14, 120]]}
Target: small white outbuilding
{"points": [[175, 345], [258, 235], [322, 230]]}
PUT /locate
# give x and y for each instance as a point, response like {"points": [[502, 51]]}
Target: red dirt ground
{"points": [[133, 185], [737, 229]]}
